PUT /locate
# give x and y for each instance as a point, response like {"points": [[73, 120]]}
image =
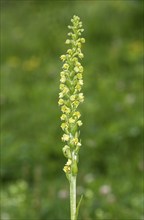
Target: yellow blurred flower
{"points": [[31, 64]]}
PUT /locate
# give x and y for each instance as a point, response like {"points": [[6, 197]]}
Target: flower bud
{"points": [[68, 41], [82, 40], [81, 55]]}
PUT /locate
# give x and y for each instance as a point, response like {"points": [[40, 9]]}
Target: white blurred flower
{"points": [[105, 189], [63, 194], [89, 178]]}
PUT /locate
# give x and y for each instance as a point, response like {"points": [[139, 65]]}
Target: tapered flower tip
{"points": [[75, 17]]}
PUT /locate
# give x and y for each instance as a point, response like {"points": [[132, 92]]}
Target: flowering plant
{"points": [[70, 97]]}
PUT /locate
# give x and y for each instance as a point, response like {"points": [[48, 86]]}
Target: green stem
{"points": [[73, 197]]}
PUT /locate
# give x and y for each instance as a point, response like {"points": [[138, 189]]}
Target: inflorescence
{"points": [[70, 95]]}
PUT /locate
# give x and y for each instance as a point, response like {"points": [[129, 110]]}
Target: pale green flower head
{"points": [[70, 97]]}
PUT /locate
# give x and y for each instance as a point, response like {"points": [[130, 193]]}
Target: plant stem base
{"points": [[73, 197]]}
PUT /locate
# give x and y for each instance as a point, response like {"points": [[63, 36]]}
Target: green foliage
{"points": [[34, 187]]}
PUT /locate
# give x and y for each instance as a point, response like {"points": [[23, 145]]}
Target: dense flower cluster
{"points": [[70, 95]]}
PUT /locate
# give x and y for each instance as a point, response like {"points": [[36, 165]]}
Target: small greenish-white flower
{"points": [[80, 69], [63, 117], [68, 41], [62, 73], [77, 114], [72, 97], [79, 76], [61, 95], [81, 97], [71, 121], [76, 69], [78, 86], [78, 144], [79, 123], [75, 59], [69, 162], [62, 86], [75, 104], [65, 66], [66, 151], [64, 126], [61, 102], [74, 141], [66, 169], [80, 82], [63, 79], [65, 109], [67, 166], [65, 90], [65, 137], [78, 64], [81, 55], [82, 40], [63, 57]]}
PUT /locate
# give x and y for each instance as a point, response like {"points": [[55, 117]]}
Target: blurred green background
{"points": [[34, 186]]}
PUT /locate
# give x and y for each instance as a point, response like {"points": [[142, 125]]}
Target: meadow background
{"points": [[34, 186]]}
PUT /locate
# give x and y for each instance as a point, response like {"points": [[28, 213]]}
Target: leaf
{"points": [[68, 176], [78, 206]]}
